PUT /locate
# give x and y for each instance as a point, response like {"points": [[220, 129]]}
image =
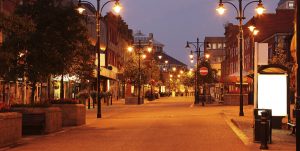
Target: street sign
{"points": [[203, 71]]}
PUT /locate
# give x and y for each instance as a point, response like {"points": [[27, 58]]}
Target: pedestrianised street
{"points": [[149, 75], [166, 124]]}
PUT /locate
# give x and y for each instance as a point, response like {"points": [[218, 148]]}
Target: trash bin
{"points": [[257, 125]]}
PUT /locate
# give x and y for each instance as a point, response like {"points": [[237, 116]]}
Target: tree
{"points": [[54, 45], [188, 79], [149, 71], [152, 72], [84, 65], [12, 51]]}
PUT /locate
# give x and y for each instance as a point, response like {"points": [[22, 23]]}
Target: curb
{"points": [[233, 125]]}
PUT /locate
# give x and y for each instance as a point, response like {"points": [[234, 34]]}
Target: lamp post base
{"points": [[98, 108]]}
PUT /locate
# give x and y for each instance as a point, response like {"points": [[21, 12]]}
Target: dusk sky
{"points": [[173, 22]]}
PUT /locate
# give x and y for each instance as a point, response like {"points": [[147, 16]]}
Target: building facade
{"points": [[230, 64], [215, 48], [276, 29], [119, 38]]}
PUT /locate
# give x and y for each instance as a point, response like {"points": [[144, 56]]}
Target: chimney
{"points": [[150, 35]]}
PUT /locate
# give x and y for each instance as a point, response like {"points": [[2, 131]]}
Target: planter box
{"points": [[10, 128], [72, 114], [133, 100], [234, 99], [52, 121]]}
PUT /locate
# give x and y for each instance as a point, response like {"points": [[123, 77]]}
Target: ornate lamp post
{"points": [[98, 12], [198, 51], [140, 51], [254, 32], [167, 69], [240, 17]]}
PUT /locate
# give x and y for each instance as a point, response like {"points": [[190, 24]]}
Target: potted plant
{"points": [[11, 125], [82, 96], [73, 113], [39, 117]]}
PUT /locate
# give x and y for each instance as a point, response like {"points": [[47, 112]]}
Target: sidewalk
{"points": [[281, 139], [91, 114]]}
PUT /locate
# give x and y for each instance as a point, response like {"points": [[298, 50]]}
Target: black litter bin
{"points": [[257, 125]]}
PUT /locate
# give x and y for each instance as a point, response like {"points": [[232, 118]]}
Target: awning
{"points": [[235, 77], [237, 74]]}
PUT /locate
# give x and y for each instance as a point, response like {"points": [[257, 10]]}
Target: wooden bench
{"points": [[293, 125], [33, 123]]}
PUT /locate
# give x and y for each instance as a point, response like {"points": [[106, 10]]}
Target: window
{"points": [[219, 72], [214, 46], [208, 46], [219, 45], [291, 4]]}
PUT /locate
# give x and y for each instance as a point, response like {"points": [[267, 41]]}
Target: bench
{"points": [[33, 123], [293, 125]]}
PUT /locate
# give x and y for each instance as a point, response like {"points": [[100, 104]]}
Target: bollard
{"points": [[203, 99], [297, 129], [93, 103], [89, 103], [111, 100], [264, 130]]}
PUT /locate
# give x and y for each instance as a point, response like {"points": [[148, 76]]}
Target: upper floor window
{"points": [[219, 45], [214, 46], [291, 4], [208, 46]]}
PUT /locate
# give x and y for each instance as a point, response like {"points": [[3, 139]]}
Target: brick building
{"points": [[119, 37], [276, 29], [230, 64], [216, 49]]}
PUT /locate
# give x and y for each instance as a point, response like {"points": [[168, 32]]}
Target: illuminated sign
{"points": [[272, 93]]}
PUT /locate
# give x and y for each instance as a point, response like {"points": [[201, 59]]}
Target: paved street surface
{"points": [[163, 125]]}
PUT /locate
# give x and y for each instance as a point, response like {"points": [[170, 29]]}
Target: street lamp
{"points": [[140, 51], [207, 56], [167, 67], [197, 46], [159, 57], [254, 32], [98, 12], [241, 16], [174, 69]]}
